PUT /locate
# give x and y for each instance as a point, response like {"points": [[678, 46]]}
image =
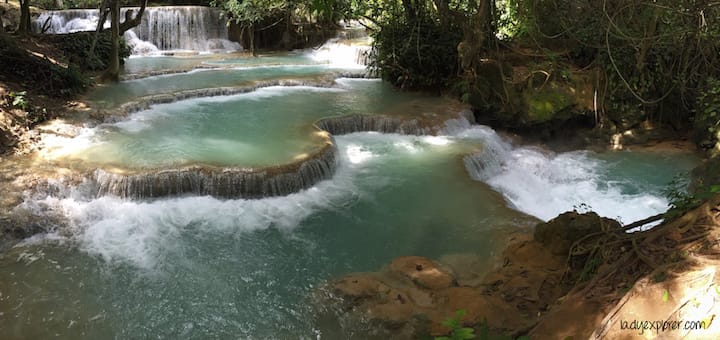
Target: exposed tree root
{"points": [[618, 258]]}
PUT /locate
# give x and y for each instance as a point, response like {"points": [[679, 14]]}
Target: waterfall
{"points": [[185, 28], [490, 161], [67, 21], [167, 28], [343, 53], [544, 184]]}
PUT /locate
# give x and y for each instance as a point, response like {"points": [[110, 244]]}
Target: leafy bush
{"points": [[77, 46], [458, 332], [681, 199], [707, 113], [418, 53], [40, 74]]}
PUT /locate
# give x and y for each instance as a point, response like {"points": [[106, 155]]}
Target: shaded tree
{"points": [[117, 29], [25, 24], [249, 13]]}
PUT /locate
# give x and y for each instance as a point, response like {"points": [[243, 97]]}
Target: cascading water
{"points": [[67, 21], [166, 28], [544, 184], [193, 266], [185, 28], [344, 53]]}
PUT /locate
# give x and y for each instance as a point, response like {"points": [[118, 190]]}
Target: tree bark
{"points": [[113, 71], [24, 26], [133, 22], [251, 31], [103, 17]]}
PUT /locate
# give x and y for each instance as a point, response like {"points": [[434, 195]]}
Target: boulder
{"points": [[559, 234]]}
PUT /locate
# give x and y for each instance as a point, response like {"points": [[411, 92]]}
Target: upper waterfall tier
{"points": [[168, 28]]}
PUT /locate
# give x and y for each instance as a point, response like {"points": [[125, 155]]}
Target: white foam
{"points": [[437, 140], [139, 46], [545, 184], [168, 28], [339, 54], [146, 234], [143, 233], [356, 154]]}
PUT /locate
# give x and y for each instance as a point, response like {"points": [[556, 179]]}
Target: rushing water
{"points": [[202, 267], [166, 28]]}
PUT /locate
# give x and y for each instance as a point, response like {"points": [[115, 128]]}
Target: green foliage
{"points": [[250, 12], [458, 332], [77, 46], [416, 52], [656, 55], [707, 113], [35, 114], [681, 200], [509, 23], [18, 99], [43, 75]]}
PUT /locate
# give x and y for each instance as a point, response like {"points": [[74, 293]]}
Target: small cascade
{"points": [[343, 53], [456, 126], [365, 123], [544, 184], [223, 183], [145, 103], [490, 161], [167, 28]]}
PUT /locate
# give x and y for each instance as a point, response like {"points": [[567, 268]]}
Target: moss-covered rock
{"points": [[537, 101]]}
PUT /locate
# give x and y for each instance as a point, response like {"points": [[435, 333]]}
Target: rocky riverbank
{"points": [[566, 280]]}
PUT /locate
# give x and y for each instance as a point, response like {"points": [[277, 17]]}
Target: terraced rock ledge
{"points": [[254, 182]]}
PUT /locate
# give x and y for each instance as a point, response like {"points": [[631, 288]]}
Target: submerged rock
{"points": [[423, 272], [412, 296]]}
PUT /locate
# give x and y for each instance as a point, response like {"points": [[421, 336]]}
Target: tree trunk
{"points": [[113, 71], [251, 31], [486, 22], [131, 22], [24, 26], [103, 17], [443, 12], [285, 41]]}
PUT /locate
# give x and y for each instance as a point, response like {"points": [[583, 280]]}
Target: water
{"points": [[207, 78], [200, 267], [622, 185], [167, 28], [239, 130]]}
